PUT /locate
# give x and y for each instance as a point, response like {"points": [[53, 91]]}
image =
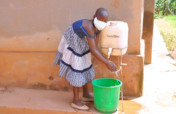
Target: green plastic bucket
{"points": [[106, 94]]}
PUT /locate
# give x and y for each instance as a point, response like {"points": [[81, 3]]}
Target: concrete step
{"points": [[30, 101]]}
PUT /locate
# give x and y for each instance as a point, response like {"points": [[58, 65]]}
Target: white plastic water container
{"points": [[115, 36]]}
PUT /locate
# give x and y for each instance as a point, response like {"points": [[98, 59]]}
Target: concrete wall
{"points": [[31, 30]]}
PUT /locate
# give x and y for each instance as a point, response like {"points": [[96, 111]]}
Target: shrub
{"points": [[165, 7]]}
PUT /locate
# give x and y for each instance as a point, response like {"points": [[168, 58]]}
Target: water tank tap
{"points": [[109, 52]]}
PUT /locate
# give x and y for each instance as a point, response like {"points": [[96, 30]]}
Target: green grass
{"points": [[171, 20], [145, 63], [156, 16], [167, 27], [169, 38]]}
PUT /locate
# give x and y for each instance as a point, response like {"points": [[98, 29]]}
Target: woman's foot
{"points": [[88, 97], [79, 105], [76, 101]]}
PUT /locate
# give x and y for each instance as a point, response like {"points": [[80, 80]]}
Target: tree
{"points": [[165, 7]]}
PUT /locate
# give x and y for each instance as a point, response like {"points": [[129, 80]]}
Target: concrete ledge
{"points": [[30, 101], [30, 70], [36, 70]]}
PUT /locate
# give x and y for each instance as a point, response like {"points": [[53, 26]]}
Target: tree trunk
{"points": [[164, 7], [170, 11]]}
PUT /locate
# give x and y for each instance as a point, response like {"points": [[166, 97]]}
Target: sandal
{"points": [[84, 107], [87, 99]]}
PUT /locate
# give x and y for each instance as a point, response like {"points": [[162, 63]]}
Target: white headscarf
{"points": [[100, 25]]}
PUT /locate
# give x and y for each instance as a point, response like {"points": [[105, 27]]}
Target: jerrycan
{"points": [[115, 37]]}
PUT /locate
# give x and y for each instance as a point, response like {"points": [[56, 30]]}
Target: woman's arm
{"points": [[97, 38], [94, 50], [97, 41], [93, 45]]}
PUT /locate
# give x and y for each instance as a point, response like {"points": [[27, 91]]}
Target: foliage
{"points": [[165, 7], [167, 30], [171, 20]]}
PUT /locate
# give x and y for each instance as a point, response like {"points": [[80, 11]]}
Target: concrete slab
{"points": [[36, 70], [30, 101]]}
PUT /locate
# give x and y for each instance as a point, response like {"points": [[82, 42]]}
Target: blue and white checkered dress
{"points": [[74, 56]]}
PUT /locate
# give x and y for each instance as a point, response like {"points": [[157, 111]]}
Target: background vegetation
{"points": [[165, 17], [165, 7]]}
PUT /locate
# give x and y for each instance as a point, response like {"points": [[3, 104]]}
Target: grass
{"points": [[171, 20], [167, 27], [158, 16]]}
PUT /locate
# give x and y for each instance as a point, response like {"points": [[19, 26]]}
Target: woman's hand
{"points": [[111, 66]]}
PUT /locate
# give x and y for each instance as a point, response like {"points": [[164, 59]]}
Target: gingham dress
{"points": [[74, 56]]}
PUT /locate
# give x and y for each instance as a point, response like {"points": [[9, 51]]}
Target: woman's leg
{"points": [[86, 92], [76, 99]]}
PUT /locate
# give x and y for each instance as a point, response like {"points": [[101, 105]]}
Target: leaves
{"points": [[165, 7]]}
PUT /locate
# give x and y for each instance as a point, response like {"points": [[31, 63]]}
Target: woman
{"points": [[74, 55]]}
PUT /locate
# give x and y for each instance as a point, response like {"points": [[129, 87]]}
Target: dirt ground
{"points": [[159, 94], [173, 54]]}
